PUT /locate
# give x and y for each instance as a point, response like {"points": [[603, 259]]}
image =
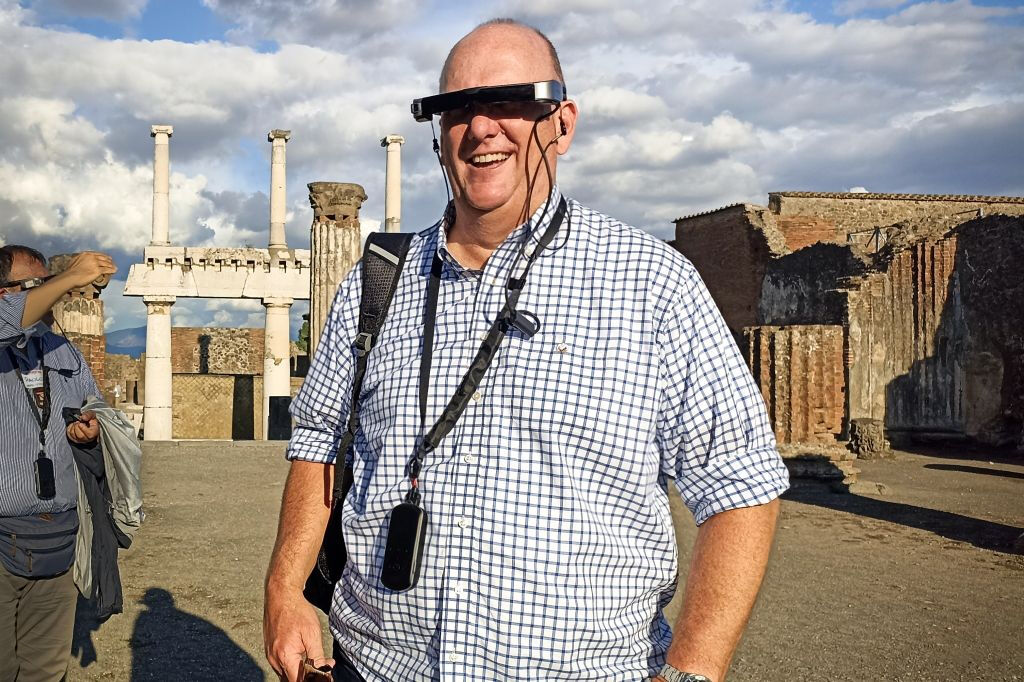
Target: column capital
{"points": [[391, 139], [155, 130], [278, 302], [341, 199], [278, 134]]}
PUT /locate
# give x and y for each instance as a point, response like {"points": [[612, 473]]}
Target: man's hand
{"points": [[291, 629], [85, 430], [291, 632], [84, 268], [88, 267]]}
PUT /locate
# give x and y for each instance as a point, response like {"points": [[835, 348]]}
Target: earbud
{"points": [[561, 121]]}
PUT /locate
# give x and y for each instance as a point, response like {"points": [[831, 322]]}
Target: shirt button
{"points": [[562, 347], [469, 459], [463, 523], [477, 396], [459, 588], [454, 657], [483, 336]]}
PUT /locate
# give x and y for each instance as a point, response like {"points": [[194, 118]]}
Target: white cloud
{"points": [[848, 7], [684, 107]]}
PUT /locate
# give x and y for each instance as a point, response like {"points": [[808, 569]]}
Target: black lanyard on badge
{"points": [[45, 480], [407, 525]]}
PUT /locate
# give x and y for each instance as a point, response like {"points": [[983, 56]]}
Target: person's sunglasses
{"points": [[25, 284]]}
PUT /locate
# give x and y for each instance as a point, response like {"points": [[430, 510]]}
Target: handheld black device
{"points": [[46, 483], [403, 552], [543, 91]]}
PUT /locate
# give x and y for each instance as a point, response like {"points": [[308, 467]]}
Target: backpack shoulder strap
{"points": [[383, 261]]}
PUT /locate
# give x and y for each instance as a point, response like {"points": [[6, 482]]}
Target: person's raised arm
{"points": [[291, 629], [84, 269]]}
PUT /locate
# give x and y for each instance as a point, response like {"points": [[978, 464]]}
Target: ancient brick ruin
{"points": [[894, 310]]}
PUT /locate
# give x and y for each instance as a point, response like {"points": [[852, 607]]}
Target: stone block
{"points": [[867, 439]]}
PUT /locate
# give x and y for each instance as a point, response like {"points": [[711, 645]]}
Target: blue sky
{"points": [[685, 106]]}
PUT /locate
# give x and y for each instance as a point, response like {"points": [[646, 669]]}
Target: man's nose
{"points": [[481, 123]]}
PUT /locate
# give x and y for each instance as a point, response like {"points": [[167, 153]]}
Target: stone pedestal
{"points": [[393, 183], [276, 366], [157, 418], [335, 244], [161, 135], [277, 138]]}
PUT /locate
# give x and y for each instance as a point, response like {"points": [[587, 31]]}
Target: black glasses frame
{"points": [[424, 108]]}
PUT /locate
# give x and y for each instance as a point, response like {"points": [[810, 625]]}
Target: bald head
{"points": [[525, 50]]}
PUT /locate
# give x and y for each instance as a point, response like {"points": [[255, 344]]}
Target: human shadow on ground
{"points": [[86, 622], [984, 534], [171, 644], [976, 470]]}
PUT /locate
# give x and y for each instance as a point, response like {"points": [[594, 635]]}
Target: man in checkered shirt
{"points": [[550, 550]]}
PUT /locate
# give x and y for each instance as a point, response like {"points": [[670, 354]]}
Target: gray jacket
{"points": [[122, 459]]}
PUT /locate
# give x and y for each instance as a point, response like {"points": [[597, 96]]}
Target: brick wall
{"points": [[216, 350], [94, 350], [801, 231], [731, 249], [799, 370], [859, 212]]}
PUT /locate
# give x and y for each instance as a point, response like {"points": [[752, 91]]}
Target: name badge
{"points": [[33, 379]]}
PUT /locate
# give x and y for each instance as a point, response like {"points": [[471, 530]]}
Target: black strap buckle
{"points": [[363, 343]]}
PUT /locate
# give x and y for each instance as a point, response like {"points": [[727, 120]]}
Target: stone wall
{"points": [[126, 372], [851, 212], [799, 370], [806, 287], [731, 249], [216, 350]]}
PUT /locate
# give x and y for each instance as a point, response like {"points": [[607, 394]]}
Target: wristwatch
{"points": [[671, 674]]}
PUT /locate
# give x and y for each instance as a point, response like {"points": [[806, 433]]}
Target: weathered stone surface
{"points": [[336, 246], [926, 288], [799, 370], [867, 439]]}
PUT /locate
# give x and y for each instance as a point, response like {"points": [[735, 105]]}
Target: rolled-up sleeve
{"points": [[321, 408], [714, 435], [12, 308]]}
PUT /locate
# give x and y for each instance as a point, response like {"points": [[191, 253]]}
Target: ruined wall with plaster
{"points": [[731, 249], [799, 370], [216, 350]]}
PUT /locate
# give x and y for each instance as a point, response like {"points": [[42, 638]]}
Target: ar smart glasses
{"points": [[502, 99], [25, 284]]}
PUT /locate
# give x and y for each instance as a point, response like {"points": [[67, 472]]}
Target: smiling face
{"points": [[486, 148]]}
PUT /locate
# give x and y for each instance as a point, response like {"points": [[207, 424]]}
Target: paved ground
{"points": [[917, 584]]}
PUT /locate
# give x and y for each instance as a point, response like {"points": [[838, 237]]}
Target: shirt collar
{"points": [[536, 225]]}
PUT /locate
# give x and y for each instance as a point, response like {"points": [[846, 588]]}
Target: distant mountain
{"points": [[127, 341]]}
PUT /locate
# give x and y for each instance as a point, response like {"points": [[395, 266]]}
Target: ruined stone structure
{"points": [[922, 294], [79, 313], [336, 246], [276, 276]]}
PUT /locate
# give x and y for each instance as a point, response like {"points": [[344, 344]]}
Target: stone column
{"points": [[161, 135], [335, 244], [157, 414], [276, 365], [79, 314], [393, 183], [277, 138]]}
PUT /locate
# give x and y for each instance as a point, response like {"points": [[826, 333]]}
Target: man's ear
{"points": [[567, 115]]}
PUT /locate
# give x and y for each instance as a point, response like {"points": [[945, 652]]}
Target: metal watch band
{"points": [[672, 674]]}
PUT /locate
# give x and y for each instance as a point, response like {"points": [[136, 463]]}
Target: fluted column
{"points": [[161, 135], [393, 183], [277, 138], [276, 366], [157, 416], [335, 244]]}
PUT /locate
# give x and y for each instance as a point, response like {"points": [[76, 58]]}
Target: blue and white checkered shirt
{"points": [[550, 550]]}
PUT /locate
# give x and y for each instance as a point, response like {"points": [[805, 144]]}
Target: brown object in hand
{"points": [[310, 673]]}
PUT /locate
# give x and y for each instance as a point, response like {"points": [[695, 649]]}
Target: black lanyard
{"points": [[471, 380], [42, 415]]}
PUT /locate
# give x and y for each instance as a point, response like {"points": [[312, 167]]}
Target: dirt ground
{"points": [[915, 584]]}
